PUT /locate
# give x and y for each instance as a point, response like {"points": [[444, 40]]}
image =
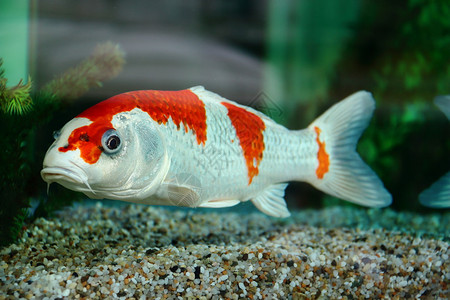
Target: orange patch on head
{"points": [[181, 106], [249, 129], [88, 140], [322, 156]]}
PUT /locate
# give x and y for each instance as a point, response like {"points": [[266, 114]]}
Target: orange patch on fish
{"points": [[88, 140], [249, 129], [181, 106], [322, 156]]}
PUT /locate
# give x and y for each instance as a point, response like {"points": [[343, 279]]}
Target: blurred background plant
{"points": [[321, 51], [408, 142], [23, 113]]}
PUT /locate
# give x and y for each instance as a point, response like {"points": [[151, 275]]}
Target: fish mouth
{"points": [[56, 174], [68, 177]]}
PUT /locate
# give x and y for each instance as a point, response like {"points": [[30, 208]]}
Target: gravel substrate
{"points": [[131, 251]]}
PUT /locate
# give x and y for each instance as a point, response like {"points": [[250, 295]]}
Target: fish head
{"points": [[123, 157]]}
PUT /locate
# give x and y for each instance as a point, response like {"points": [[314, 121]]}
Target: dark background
{"points": [[292, 59]]}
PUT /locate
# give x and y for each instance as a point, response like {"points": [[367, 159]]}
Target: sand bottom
{"points": [[141, 252]]}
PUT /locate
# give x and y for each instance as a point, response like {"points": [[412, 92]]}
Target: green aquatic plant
{"points": [[20, 101], [417, 61], [411, 71], [23, 112], [407, 68], [16, 99]]}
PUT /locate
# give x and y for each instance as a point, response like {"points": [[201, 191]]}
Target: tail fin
{"points": [[341, 172], [443, 102], [438, 194]]}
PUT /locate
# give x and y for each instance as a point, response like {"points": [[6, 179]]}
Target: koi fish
{"points": [[195, 148], [438, 194]]}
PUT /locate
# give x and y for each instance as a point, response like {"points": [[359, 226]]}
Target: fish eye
{"points": [[111, 141]]}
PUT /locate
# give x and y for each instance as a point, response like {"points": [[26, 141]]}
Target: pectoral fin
{"points": [[220, 203], [271, 201], [184, 190], [183, 196]]}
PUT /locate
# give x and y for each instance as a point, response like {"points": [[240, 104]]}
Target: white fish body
{"points": [[438, 194], [195, 148]]}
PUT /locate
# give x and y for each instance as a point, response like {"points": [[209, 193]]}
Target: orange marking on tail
{"points": [[249, 129], [181, 106], [322, 156]]}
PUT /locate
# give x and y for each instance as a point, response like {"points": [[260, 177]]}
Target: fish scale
{"points": [[218, 165], [195, 148]]}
